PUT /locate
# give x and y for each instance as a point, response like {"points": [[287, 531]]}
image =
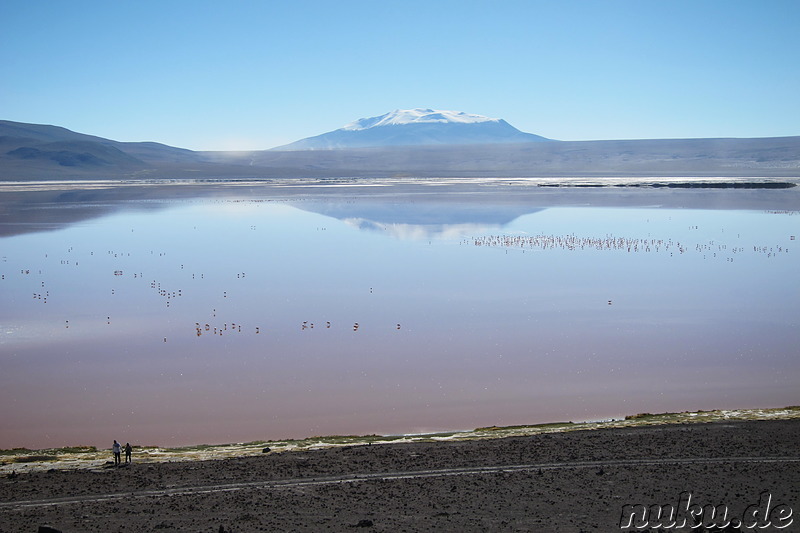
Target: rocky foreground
{"points": [[572, 481]]}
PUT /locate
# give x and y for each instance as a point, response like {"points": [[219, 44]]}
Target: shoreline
{"points": [[577, 180], [20, 460], [561, 481]]}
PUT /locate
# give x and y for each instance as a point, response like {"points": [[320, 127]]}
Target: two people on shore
{"points": [[117, 450]]}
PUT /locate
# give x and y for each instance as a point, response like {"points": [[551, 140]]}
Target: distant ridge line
{"points": [[30, 152]]}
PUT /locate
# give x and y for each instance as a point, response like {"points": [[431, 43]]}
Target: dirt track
{"points": [[575, 481]]}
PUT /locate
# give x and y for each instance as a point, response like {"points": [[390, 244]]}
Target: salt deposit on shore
{"points": [[23, 460]]}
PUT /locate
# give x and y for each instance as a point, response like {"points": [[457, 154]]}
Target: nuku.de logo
{"points": [[762, 515]]}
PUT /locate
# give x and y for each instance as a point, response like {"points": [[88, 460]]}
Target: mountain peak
{"points": [[416, 127], [417, 116]]}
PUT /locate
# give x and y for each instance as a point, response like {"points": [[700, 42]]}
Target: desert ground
{"points": [[569, 481]]}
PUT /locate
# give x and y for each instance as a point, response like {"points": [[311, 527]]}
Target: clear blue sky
{"points": [[256, 74]]}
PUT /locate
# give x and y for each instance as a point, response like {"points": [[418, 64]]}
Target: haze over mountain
{"points": [[43, 152], [416, 127]]}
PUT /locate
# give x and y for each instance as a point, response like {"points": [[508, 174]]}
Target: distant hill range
{"points": [[419, 143]]}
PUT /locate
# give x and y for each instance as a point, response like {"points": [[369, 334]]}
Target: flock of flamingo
{"points": [[201, 329], [169, 295], [630, 245]]}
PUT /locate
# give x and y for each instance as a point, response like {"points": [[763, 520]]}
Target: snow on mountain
{"points": [[417, 116], [410, 127]]}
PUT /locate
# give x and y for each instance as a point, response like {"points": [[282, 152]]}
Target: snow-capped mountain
{"points": [[407, 127], [417, 116]]}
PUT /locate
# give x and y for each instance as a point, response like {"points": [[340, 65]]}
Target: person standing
{"points": [[128, 450], [116, 448]]}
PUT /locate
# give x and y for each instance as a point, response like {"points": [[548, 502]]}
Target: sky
{"points": [[244, 75]]}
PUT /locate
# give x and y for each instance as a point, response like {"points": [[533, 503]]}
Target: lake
{"points": [[266, 312]]}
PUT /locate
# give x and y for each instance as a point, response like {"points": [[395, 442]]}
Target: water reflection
{"points": [[410, 218], [223, 320]]}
